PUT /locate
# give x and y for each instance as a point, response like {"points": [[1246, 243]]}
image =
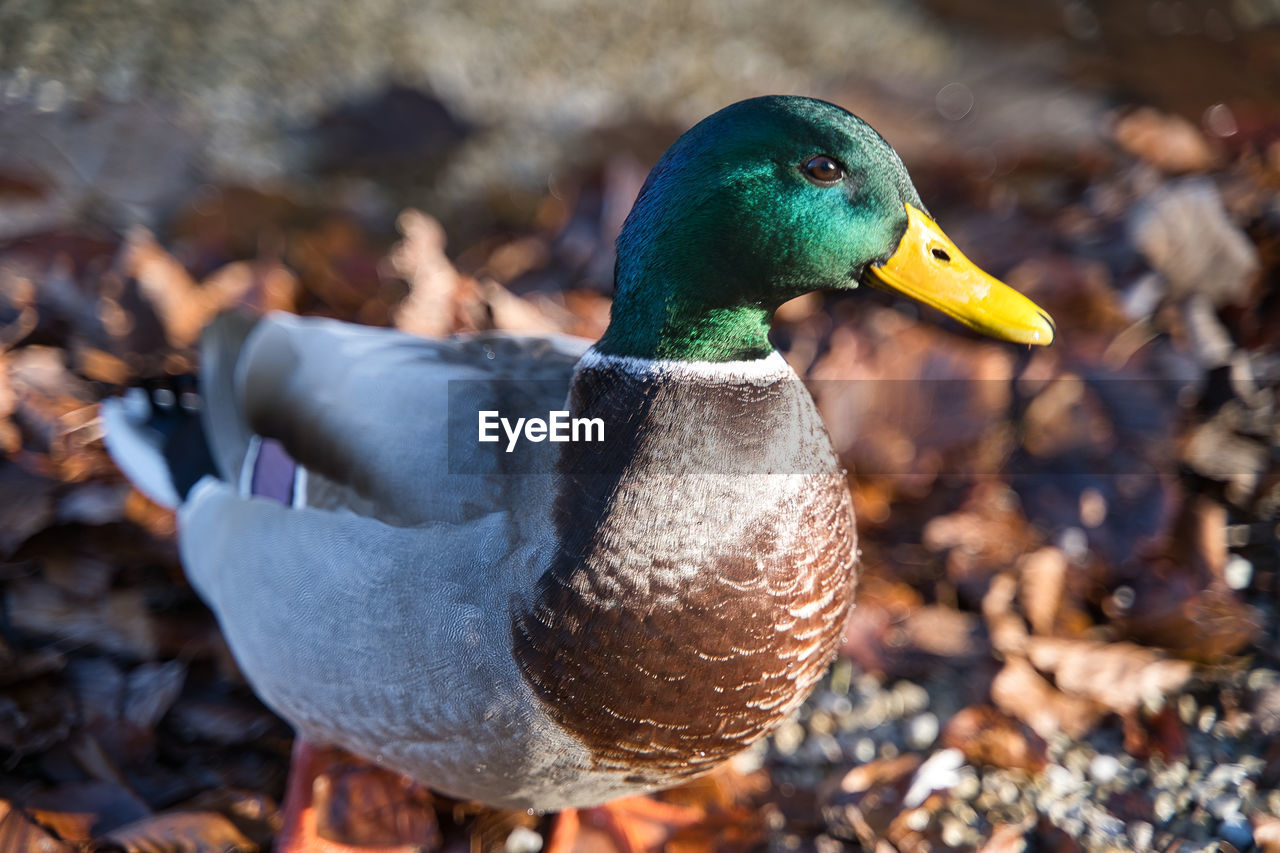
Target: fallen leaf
{"points": [[1187, 236], [419, 259], [79, 811], [220, 722], [1120, 676], [987, 535], [17, 666], [18, 834], [1042, 578], [26, 506], [1169, 610], [1008, 838], [1022, 692], [861, 803], [944, 631], [987, 736], [1167, 141], [102, 366], [150, 691], [1007, 629], [184, 307], [119, 622], [180, 832], [34, 716], [1266, 832]]}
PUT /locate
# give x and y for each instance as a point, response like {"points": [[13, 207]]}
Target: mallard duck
{"points": [[626, 617]]}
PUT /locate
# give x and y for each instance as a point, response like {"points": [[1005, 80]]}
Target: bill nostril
{"points": [[942, 255]]}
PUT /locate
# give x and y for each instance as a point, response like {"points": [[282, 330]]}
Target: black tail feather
{"points": [[175, 414]]}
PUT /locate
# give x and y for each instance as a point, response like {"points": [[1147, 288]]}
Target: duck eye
{"points": [[822, 170]]}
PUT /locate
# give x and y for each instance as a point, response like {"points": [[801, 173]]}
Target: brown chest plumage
{"points": [[704, 571]]}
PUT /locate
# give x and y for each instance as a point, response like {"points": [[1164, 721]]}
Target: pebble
{"points": [[1141, 834], [1186, 708], [968, 787], [1236, 830], [523, 840], [922, 731], [953, 832], [1207, 718], [1224, 806], [1238, 573], [1060, 779], [913, 697], [825, 748], [788, 737], [964, 813], [1261, 679], [1197, 800], [938, 773]]}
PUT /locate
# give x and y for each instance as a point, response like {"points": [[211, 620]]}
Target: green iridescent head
{"points": [[763, 201]]}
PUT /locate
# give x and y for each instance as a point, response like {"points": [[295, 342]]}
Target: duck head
{"points": [[771, 198]]}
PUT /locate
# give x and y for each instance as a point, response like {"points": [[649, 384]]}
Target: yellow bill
{"points": [[927, 266]]}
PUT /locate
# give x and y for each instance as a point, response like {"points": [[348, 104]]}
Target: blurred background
{"points": [[1066, 634]]}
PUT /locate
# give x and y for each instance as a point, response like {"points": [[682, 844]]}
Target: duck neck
{"points": [[677, 327]]}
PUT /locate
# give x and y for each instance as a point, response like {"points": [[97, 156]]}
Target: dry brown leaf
{"points": [[18, 834], [1007, 629], [1041, 585], [119, 622], [1186, 234], [1266, 832], [1172, 612], [880, 394], [184, 307], [262, 286], [516, 314], [590, 311], [363, 805], [78, 811], [433, 282], [1120, 676], [989, 534], [34, 716], [863, 802], [1167, 141], [943, 631], [220, 722], [181, 832], [1022, 692], [76, 447], [157, 520], [26, 506], [150, 691], [165, 284], [1007, 838], [102, 366], [986, 736], [45, 392], [17, 666]]}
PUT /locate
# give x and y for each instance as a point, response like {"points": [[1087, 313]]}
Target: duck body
{"points": [[625, 614], [542, 640]]}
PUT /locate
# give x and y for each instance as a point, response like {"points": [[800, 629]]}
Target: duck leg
{"points": [[633, 824], [331, 795]]}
